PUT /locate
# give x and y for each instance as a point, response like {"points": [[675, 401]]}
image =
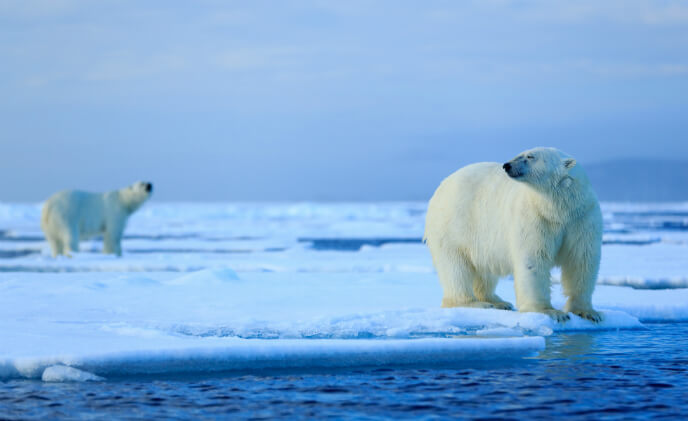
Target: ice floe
{"points": [[205, 355], [129, 322], [293, 286]]}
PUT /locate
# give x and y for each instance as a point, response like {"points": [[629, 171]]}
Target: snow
{"points": [[213, 287], [203, 278], [96, 322]]}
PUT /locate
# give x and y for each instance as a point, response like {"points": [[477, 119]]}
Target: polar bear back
{"points": [[67, 207]]}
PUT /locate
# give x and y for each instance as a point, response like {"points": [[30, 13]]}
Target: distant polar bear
{"points": [[71, 215], [489, 220]]}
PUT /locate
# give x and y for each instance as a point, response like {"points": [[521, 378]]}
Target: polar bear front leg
{"points": [[484, 290], [111, 244], [456, 277], [532, 284], [71, 240], [112, 239]]}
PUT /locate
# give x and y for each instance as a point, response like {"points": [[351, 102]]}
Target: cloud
{"points": [[647, 12], [31, 9], [630, 70], [344, 86], [130, 66], [259, 56]]}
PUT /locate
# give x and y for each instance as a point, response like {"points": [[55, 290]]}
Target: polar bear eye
{"points": [[530, 157]]}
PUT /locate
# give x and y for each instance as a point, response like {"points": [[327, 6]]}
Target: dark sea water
{"points": [[637, 374]]}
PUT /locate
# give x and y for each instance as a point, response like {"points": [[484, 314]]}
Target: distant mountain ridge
{"points": [[640, 180]]}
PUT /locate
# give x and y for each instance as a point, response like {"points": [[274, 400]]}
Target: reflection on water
{"points": [[572, 346]]}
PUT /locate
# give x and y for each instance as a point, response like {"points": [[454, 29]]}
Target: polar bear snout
{"points": [[514, 171], [142, 187]]}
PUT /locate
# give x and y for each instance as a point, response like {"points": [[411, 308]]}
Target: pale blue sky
{"points": [[319, 100]]}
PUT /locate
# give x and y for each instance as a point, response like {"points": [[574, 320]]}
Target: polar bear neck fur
{"points": [[563, 200], [130, 198], [556, 186]]}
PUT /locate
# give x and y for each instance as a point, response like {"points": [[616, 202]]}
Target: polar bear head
{"points": [[132, 197], [541, 167]]}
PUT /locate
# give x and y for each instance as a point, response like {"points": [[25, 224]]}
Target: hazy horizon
{"points": [[608, 186], [318, 100]]}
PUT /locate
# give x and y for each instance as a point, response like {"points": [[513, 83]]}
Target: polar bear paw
{"points": [[496, 302], [592, 315], [503, 305], [479, 304], [558, 315]]}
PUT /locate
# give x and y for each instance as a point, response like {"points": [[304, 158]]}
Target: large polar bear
{"points": [[489, 220], [71, 215]]}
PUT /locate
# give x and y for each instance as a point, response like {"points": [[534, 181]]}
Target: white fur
{"points": [[70, 215], [483, 224]]}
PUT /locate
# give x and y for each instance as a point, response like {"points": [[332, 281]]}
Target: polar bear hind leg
{"points": [[55, 245], [59, 237], [457, 278]]}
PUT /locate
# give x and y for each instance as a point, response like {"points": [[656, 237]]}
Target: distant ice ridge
{"points": [[654, 266], [205, 355]]}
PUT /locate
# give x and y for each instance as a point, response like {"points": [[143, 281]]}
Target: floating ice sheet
{"points": [[204, 355]]}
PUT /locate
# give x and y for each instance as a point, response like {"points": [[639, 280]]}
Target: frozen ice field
{"points": [[217, 287]]}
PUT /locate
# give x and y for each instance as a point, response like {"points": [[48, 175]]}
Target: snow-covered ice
{"points": [[239, 287], [63, 318]]}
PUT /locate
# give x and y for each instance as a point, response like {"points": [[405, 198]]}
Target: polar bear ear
{"points": [[569, 163]]}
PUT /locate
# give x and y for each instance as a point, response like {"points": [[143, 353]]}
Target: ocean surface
{"points": [[625, 374]]}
